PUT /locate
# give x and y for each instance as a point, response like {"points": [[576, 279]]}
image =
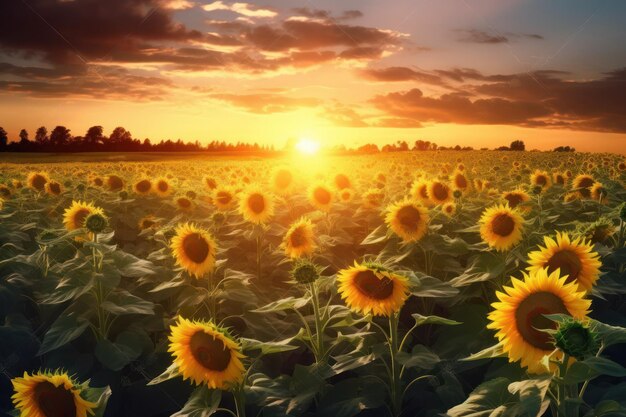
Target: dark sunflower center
{"points": [[98, 181], [54, 401], [502, 225], [541, 180], [513, 199], [209, 351], [196, 247], [55, 188], [423, 191], [409, 217], [223, 197], [461, 182], [211, 183], [373, 287], [283, 179], [342, 181], [147, 223], [184, 203], [256, 202], [297, 237], [162, 186], [322, 195], [560, 180], [80, 215], [568, 262], [39, 182], [115, 183], [530, 319], [585, 182], [143, 186], [440, 191]]}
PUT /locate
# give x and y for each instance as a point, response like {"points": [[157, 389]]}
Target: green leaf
{"points": [[115, 356], [491, 398], [420, 357], [593, 367], [376, 236], [122, 302], [99, 396], [267, 347], [422, 320], [494, 351], [432, 287], [203, 402], [283, 304], [532, 395], [65, 329], [171, 372]]}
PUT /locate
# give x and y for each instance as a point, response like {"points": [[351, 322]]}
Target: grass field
{"points": [[402, 284]]}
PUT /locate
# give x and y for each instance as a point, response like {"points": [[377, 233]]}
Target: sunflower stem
{"points": [[396, 393], [212, 303], [319, 328], [240, 401], [258, 255]]}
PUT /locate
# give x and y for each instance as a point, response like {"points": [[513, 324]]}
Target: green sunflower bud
{"points": [[123, 195], [576, 339], [305, 272], [537, 189], [191, 195], [457, 194], [96, 223], [218, 217]]}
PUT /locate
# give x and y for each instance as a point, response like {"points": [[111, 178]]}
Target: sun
{"points": [[308, 146]]}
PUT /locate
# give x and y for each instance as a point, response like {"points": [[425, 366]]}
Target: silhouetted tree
{"points": [[4, 139], [60, 136], [564, 149], [41, 136], [94, 136], [24, 136], [518, 145]]}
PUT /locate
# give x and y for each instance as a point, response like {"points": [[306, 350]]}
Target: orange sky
{"points": [[477, 74]]}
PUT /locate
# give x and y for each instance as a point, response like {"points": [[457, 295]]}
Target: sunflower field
{"points": [[400, 284]]}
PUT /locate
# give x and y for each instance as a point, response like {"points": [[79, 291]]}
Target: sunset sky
{"points": [[469, 72]]}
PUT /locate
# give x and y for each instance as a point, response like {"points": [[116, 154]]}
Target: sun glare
{"points": [[308, 146]]}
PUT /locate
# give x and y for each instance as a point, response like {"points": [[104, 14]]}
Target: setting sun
{"points": [[308, 146]]}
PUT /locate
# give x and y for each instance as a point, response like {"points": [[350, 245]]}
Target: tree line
{"points": [[60, 139]]}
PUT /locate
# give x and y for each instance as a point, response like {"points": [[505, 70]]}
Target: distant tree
{"points": [[94, 135], [41, 136], [120, 136], [4, 139], [518, 145], [60, 136], [24, 136], [564, 149], [503, 148]]}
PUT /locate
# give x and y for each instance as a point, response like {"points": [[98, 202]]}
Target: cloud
{"points": [[266, 103], [538, 99], [482, 37], [326, 14], [244, 9], [396, 74]]}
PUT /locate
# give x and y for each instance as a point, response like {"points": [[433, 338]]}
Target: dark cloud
{"points": [[393, 74], [480, 36], [326, 14], [538, 99]]}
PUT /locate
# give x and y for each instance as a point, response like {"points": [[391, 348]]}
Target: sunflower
{"points": [[53, 188], [346, 195], [598, 192], [5, 192], [210, 183], [459, 181], [162, 187], [408, 220], [559, 178], [541, 179], [147, 222], [223, 199], [321, 196], [37, 180], [439, 192], [256, 206], [142, 187], [114, 183], [75, 215], [298, 240], [46, 394], [419, 191], [515, 198], [184, 204], [501, 227], [518, 316], [205, 354], [193, 249], [583, 183], [449, 209], [282, 180], [574, 257], [342, 181], [370, 288]]}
